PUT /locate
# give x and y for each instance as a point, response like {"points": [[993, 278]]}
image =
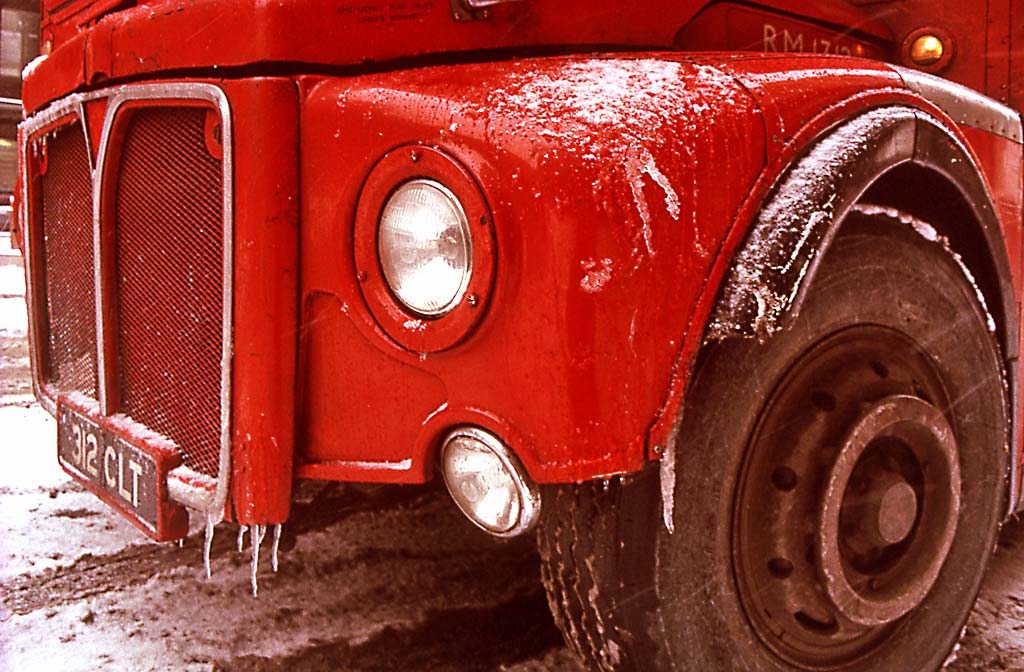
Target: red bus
{"points": [[721, 298]]}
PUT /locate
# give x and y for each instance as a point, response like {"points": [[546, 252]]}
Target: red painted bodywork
{"points": [[616, 188], [576, 350], [265, 290], [135, 42]]}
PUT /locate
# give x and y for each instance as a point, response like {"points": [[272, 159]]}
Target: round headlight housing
{"points": [[425, 248], [488, 483]]}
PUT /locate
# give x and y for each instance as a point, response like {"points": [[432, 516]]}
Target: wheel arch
{"points": [[895, 157]]}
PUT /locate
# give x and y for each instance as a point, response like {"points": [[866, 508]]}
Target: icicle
{"points": [[256, 534], [277, 542], [667, 476], [211, 522], [241, 537]]}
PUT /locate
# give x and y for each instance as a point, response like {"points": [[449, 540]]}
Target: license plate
{"points": [[110, 464]]}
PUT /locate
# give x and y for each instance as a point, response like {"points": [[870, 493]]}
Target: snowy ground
{"points": [[370, 578]]}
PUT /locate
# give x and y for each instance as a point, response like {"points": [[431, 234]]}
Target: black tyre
{"points": [[838, 488]]}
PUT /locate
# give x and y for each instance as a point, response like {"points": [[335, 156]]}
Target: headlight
{"points": [[424, 246], [488, 483]]}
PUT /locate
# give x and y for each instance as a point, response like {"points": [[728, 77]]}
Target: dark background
{"points": [[19, 44]]}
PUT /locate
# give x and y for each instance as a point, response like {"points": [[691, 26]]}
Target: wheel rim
{"points": [[847, 503]]}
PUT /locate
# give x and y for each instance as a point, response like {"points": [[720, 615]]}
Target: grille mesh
{"points": [[70, 300], [170, 253]]}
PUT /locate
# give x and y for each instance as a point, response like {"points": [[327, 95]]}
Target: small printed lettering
{"points": [[362, 9], [785, 40], [388, 12]]}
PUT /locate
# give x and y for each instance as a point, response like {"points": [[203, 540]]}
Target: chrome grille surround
{"points": [[185, 485], [66, 271]]}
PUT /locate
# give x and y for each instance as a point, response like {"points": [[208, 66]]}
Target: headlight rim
{"points": [[404, 327]]}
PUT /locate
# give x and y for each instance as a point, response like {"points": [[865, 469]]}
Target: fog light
{"points": [[488, 484]]}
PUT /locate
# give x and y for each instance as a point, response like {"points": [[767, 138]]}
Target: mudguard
{"points": [[771, 272], [767, 282]]}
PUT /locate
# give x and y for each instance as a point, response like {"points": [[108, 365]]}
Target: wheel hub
{"points": [[896, 513], [873, 569], [878, 510], [848, 502]]}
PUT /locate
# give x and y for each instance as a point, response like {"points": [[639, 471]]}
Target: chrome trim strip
{"points": [[118, 96], [965, 106], [30, 299], [88, 140], [55, 112], [97, 257], [189, 487], [403, 465]]}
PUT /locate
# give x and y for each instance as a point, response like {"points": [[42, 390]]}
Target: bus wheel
{"points": [[837, 488]]}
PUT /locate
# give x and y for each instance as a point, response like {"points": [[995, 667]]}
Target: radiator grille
{"points": [[170, 255], [69, 296]]}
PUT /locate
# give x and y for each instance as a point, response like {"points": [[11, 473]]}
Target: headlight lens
{"points": [[481, 485], [488, 483], [425, 248]]}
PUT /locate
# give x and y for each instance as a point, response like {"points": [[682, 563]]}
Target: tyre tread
{"points": [[588, 556]]}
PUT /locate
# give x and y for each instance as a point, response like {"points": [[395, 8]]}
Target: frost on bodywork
{"points": [[621, 118], [768, 272], [596, 274], [928, 232], [31, 66], [641, 162]]}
